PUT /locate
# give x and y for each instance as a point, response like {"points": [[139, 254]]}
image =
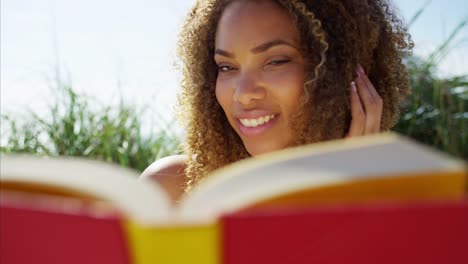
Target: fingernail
{"points": [[361, 69], [353, 87]]}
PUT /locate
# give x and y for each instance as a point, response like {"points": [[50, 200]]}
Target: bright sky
{"points": [[107, 47]]}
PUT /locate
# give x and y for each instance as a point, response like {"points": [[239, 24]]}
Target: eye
{"points": [[225, 68], [279, 62]]}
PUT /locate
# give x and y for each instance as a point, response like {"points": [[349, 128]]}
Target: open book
{"points": [[381, 169]]}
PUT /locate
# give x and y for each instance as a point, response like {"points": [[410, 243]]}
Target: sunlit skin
{"points": [[261, 73]]}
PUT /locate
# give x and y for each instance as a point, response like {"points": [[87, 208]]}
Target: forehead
{"points": [[251, 23]]}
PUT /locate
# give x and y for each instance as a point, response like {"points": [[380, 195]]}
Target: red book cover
{"points": [[31, 233], [418, 233]]}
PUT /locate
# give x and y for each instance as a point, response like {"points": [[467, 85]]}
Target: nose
{"points": [[249, 89]]}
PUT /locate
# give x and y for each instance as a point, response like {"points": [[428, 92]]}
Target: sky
{"points": [[107, 49]]}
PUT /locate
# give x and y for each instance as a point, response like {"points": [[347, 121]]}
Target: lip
{"points": [[253, 114], [258, 130]]}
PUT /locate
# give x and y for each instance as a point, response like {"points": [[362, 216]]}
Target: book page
{"points": [[315, 166], [86, 179]]}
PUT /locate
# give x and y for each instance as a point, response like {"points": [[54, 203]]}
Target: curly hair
{"points": [[335, 35]]}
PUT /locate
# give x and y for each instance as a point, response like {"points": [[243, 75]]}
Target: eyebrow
{"points": [[268, 45], [224, 53], [260, 48]]}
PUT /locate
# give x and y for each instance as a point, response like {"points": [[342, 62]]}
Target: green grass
{"points": [[437, 111], [74, 126]]}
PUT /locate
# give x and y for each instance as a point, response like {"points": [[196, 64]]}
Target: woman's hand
{"points": [[366, 106]]}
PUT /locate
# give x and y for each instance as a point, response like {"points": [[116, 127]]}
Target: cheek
{"points": [[223, 95], [288, 87]]}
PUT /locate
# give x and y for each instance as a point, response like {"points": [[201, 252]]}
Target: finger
{"points": [[368, 83], [377, 103], [372, 106], [358, 117], [364, 93]]}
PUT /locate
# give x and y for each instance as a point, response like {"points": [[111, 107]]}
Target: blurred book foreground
{"points": [[375, 199]]}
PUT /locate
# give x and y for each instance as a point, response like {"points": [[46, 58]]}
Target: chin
{"points": [[262, 149]]}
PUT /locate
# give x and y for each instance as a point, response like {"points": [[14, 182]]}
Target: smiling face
{"points": [[260, 73]]}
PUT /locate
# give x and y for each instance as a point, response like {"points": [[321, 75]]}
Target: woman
{"points": [[260, 76]]}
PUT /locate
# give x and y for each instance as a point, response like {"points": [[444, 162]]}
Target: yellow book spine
{"points": [[173, 244]]}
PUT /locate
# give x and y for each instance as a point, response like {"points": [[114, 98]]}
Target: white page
{"points": [[143, 201], [296, 169]]}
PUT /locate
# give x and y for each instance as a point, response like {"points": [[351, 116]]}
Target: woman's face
{"points": [[260, 73]]}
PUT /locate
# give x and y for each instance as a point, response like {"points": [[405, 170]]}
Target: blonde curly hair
{"points": [[335, 36]]}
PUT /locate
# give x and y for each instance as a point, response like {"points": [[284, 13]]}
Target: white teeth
{"points": [[261, 120], [255, 122]]}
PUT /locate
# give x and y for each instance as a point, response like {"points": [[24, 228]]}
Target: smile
{"points": [[257, 121]]}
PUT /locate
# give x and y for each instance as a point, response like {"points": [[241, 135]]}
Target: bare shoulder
{"points": [[167, 166], [169, 172]]}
